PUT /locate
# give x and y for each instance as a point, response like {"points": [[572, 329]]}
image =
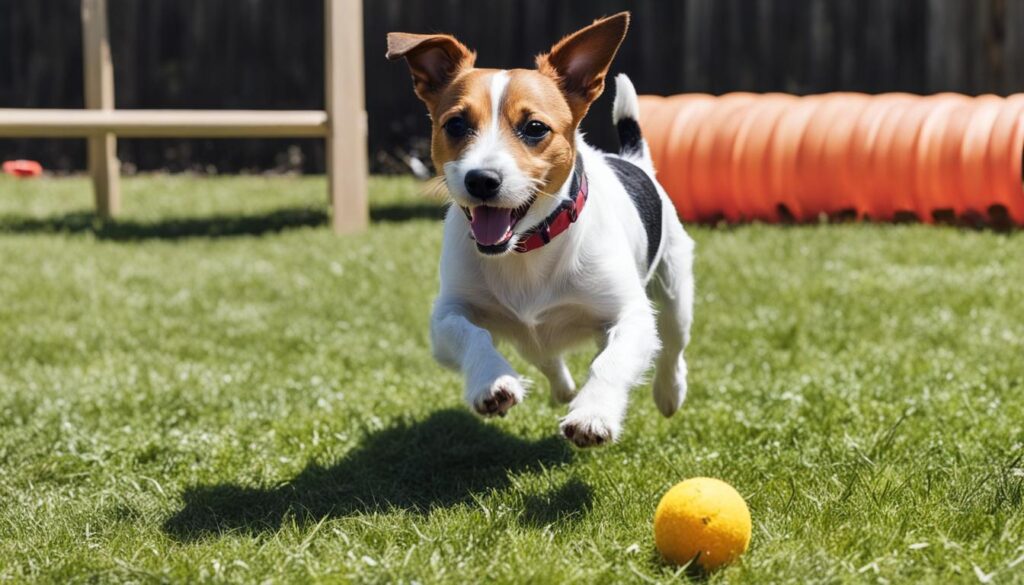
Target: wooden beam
{"points": [[99, 95], [346, 112], [42, 123]]}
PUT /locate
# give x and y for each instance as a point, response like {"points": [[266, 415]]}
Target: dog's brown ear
{"points": [[581, 60], [433, 60]]}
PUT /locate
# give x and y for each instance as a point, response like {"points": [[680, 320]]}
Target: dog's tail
{"points": [[626, 116]]}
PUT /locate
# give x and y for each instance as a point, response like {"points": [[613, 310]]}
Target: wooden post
{"points": [[346, 115], [99, 95]]}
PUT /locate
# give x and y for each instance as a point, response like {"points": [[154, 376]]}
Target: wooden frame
{"points": [[342, 124]]}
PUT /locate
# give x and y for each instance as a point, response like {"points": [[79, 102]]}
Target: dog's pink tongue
{"points": [[491, 225]]}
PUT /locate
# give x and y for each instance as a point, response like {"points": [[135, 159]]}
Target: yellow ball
{"points": [[704, 518]]}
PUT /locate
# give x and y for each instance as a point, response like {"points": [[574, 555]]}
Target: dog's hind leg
{"points": [[673, 290], [563, 387]]}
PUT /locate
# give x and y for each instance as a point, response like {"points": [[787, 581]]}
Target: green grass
{"points": [[218, 389]]}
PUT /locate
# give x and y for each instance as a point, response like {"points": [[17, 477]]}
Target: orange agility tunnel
{"points": [[778, 157]]}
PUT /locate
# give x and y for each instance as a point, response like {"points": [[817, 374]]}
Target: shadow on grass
{"points": [[693, 572], [444, 460], [214, 226], [407, 212], [995, 218], [567, 504]]}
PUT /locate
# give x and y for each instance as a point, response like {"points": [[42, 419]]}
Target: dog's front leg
{"points": [[595, 415], [492, 386]]}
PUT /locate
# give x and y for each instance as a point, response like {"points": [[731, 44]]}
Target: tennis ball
{"points": [[704, 519]]}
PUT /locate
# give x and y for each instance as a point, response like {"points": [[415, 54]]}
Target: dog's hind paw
{"points": [[498, 397]]}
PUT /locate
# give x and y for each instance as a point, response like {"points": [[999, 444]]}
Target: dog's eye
{"points": [[534, 130], [456, 127]]}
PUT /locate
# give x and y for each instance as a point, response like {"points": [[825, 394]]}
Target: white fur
{"points": [[587, 284], [626, 105]]}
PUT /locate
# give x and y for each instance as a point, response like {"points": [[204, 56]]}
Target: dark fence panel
{"points": [[264, 54]]}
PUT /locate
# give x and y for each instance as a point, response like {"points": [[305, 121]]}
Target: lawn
{"points": [[216, 388]]}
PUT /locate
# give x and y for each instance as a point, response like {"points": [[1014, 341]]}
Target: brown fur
{"points": [[468, 95], [533, 96], [580, 61], [434, 60]]}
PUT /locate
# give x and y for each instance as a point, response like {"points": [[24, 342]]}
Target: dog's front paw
{"points": [[497, 397], [589, 427]]}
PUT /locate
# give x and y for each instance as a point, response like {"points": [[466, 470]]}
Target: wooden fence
{"points": [[342, 123], [267, 54]]}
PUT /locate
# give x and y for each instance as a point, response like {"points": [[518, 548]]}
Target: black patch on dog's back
{"points": [[645, 198]]}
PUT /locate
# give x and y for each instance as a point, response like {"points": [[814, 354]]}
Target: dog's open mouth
{"points": [[492, 226]]}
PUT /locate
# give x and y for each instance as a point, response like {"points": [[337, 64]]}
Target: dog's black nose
{"points": [[483, 183]]}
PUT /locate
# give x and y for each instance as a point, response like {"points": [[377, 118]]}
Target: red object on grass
{"points": [[23, 168]]}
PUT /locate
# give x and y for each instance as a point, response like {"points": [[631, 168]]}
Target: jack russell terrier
{"points": [[550, 242]]}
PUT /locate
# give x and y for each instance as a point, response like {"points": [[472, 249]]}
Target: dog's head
{"points": [[505, 140]]}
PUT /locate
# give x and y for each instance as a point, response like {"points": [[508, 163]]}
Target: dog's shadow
{"points": [[441, 461]]}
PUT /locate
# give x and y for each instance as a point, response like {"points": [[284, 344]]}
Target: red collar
{"points": [[563, 217]]}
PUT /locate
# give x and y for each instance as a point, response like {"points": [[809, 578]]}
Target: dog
{"points": [[549, 242]]}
